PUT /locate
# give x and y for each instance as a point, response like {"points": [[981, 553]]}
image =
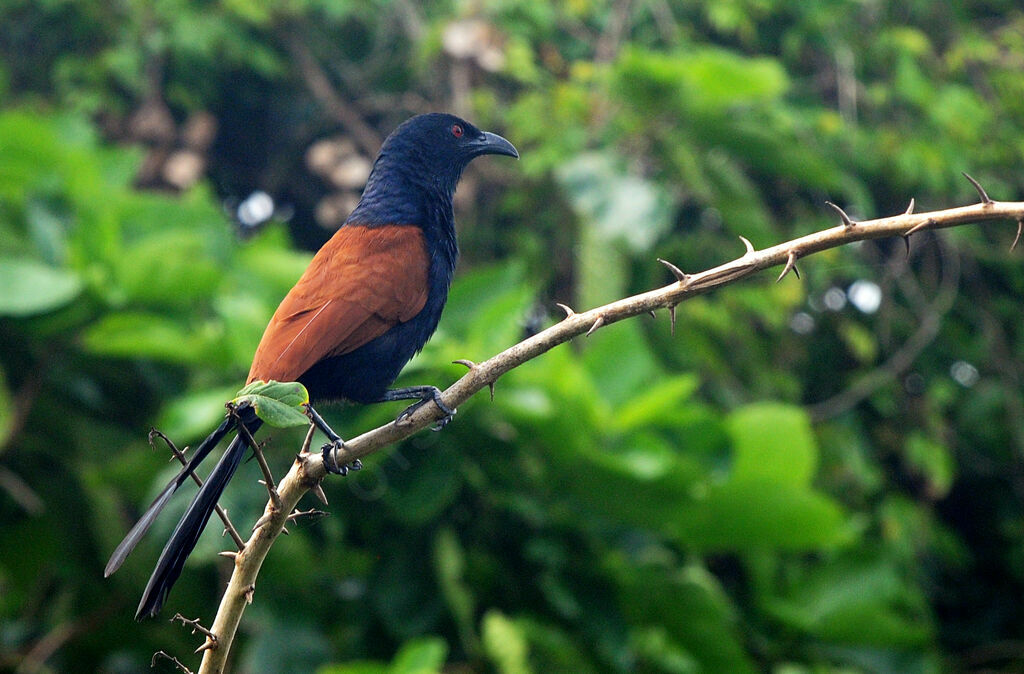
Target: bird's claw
{"points": [[443, 421], [449, 412], [330, 457]]}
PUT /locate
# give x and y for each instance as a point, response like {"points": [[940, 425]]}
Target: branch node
{"points": [[249, 592], [985, 199], [910, 208], [847, 222], [177, 663], [312, 512], [211, 638], [597, 324], [790, 265], [569, 313], [749, 246], [472, 366], [681, 276]]}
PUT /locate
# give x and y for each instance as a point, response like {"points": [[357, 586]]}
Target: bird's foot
{"points": [[429, 393], [329, 454]]}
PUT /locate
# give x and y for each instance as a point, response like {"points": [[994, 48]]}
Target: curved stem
{"points": [[308, 469]]}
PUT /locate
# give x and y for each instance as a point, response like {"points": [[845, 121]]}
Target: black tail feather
{"points": [[142, 526], [187, 533]]}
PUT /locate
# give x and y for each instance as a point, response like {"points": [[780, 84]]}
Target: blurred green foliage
{"points": [[792, 482]]}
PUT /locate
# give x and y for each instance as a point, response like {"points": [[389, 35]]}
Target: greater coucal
{"points": [[369, 300]]}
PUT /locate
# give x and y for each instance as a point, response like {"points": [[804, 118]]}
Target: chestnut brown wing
{"points": [[363, 281]]}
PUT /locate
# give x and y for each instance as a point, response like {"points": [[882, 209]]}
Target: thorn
{"points": [[284, 530], [472, 366], [569, 313], [790, 265], [672, 319], [208, 645], [261, 521], [230, 554], [910, 208], [985, 200], [318, 491], [919, 226], [652, 314], [1020, 226], [597, 324], [749, 246], [681, 276], [847, 222], [906, 242]]}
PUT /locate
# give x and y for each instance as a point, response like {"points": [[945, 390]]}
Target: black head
{"points": [[421, 163], [444, 141]]}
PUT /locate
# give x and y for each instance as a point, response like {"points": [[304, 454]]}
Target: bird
{"points": [[369, 300]]}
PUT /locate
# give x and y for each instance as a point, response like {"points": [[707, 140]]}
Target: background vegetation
{"points": [[801, 479]]}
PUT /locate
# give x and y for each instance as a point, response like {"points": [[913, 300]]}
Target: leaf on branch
{"points": [[279, 404]]}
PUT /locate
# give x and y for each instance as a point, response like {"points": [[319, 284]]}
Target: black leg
{"points": [[424, 394], [328, 451]]}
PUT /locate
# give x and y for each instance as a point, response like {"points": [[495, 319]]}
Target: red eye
{"points": [[457, 131]]}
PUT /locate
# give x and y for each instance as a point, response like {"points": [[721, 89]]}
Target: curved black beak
{"points": [[492, 143]]}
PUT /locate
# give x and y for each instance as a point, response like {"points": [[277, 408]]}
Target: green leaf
{"points": [[277, 403], [863, 600], [505, 644], [424, 655], [933, 462], [657, 405], [688, 612], [773, 442], [754, 516], [132, 334], [30, 287]]}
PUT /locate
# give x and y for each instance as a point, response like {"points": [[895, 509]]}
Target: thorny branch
{"points": [[308, 469]]}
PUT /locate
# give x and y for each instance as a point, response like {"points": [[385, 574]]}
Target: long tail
{"points": [[185, 536], [142, 526], [187, 533]]}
